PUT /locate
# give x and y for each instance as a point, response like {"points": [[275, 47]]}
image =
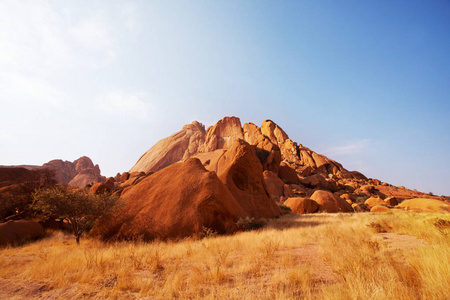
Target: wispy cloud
{"points": [[133, 105], [93, 35], [351, 148], [21, 89], [36, 36]]}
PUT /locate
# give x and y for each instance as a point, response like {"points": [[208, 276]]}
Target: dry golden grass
{"points": [[321, 256]]}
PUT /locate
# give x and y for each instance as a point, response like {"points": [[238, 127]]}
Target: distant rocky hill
{"points": [[78, 173]]}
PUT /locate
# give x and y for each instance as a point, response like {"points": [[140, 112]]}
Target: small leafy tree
{"points": [[78, 207]]}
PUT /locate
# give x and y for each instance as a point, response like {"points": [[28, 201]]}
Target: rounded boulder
{"points": [[328, 202], [176, 202], [302, 205]]}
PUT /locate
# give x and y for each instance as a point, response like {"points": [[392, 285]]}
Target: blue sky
{"points": [[366, 83]]}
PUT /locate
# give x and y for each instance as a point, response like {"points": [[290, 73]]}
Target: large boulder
{"points": [[273, 132], [16, 232], [425, 205], [100, 188], [241, 171], [287, 191], [360, 207], [316, 181], [304, 171], [252, 133], [357, 175], [379, 208], [268, 152], [328, 202], [124, 177], [274, 185], [302, 205], [374, 201], [287, 174], [288, 148], [176, 202], [306, 157], [110, 182], [367, 190], [391, 201], [178, 146]]}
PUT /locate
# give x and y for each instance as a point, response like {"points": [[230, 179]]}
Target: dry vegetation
{"points": [[324, 256]]}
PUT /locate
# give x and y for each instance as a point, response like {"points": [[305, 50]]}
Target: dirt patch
{"points": [[12, 290], [36, 290], [310, 255], [396, 241]]}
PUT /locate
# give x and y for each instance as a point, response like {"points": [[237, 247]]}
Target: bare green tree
{"points": [[78, 207]]}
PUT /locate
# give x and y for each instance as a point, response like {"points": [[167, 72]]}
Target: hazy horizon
{"points": [[366, 84]]}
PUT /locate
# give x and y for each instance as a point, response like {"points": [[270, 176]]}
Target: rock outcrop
{"points": [[223, 134], [241, 171], [268, 152], [177, 147], [287, 174], [274, 185], [77, 174], [271, 143], [425, 205], [176, 202]]}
